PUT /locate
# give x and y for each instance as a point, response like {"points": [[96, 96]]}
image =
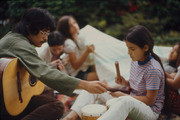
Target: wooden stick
{"points": [[118, 71], [118, 89]]}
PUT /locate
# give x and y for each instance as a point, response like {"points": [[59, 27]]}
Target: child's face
{"points": [[74, 27], [56, 50], [135, 52], [174, 53]]}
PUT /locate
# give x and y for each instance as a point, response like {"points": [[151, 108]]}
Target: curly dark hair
{"points": [[34, 20]]}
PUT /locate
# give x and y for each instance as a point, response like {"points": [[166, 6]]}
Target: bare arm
{"points": [[150, 97], [77, 62], [169, 75], [174, 83]]}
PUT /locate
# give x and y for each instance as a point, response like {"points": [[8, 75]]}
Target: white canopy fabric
{"points": [[108, 50]]}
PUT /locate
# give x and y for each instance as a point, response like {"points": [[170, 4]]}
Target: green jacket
{"points": [[18, 46]]}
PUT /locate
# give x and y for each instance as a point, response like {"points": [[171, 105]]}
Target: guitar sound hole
{"points": [[32, 81]]}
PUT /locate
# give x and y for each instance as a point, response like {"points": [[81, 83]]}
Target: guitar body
{"points": [[16, 84]]}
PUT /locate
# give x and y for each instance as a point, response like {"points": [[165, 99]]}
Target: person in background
{"points": [[146, 83], [170, 63], [172, 101], [33, 30], [76, 49], [51, 53]]}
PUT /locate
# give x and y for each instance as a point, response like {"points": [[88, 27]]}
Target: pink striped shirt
{"points": [[148, 75]]}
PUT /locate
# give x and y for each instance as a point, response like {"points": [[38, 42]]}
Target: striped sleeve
{"points": [[153, 79]]}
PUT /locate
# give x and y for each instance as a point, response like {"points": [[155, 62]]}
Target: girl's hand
{"points": [[120, 80], [116, 94], [57, 64], [90, 48], [60, 66]]}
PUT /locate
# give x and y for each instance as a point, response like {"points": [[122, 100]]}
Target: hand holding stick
{"points": [[124, 90]]}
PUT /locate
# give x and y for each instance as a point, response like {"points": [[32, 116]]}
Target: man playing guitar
{"points": [[33, 29]]}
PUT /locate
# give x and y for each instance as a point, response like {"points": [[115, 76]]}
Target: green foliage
{"points": [[163, 9], [129, 20], [170, 38], [17, 8], [113, 17]]}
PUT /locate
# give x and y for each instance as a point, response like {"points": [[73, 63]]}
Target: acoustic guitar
{"points": [[18, 86]]}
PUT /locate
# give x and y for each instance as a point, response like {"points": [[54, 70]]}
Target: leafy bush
{"points": [[113, 17], [170, 38], [129, 20]]}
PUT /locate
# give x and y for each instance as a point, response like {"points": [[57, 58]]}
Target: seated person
{"points": [[172, 101], [76, 49], [33, 30], [51, 53]]}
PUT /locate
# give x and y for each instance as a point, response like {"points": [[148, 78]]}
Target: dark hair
{"points": [[55, 38], [174, 63], [63, 26], [34, 20], [141, 36], [178, 57]]}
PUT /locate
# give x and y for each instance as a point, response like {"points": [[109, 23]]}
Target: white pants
{"points": [[125, 106]]}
